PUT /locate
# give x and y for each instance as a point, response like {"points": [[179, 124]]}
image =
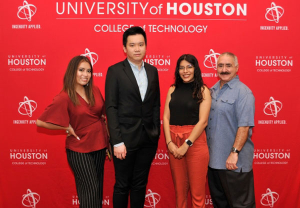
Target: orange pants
{"points": [[189, 173]]}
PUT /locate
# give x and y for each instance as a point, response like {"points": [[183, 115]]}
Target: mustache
{"points": [[224, 73]]}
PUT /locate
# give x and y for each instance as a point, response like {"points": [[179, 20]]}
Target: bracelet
{"points": [[169, 143]]}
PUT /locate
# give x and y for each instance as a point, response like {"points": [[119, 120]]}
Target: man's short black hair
{"points": [[133, 31]]}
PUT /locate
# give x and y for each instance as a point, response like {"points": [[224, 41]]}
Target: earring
{"points": [[87, 84]]}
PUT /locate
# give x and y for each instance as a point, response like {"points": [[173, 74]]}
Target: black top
{"points": [[184, 109]]}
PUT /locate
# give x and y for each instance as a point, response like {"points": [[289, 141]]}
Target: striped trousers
{"points": [[88, 170]]}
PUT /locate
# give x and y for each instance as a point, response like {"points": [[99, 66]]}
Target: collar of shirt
{"points": [[135, 67], [230, 84]]}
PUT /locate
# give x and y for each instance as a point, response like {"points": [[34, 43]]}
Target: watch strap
{"points": [[233, 149], [189, 142]]}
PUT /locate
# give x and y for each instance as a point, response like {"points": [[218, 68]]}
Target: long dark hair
{"points": [[70, 81], [198, 81]]}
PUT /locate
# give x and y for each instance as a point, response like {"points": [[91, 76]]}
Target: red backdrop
{"points": [[38, 38]]}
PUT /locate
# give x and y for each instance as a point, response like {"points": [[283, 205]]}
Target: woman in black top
{"points": [[185, 118]]}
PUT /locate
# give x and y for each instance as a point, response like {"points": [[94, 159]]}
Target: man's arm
{"points": [[111, 105], [240, 140], [156, 107], [245, 109]]}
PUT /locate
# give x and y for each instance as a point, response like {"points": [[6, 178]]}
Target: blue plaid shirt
{"points": [[232, 107]]}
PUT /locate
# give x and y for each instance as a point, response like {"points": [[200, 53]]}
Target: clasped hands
{"points": [[178, 152]]}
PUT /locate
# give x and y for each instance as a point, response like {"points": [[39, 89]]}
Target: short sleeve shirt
{"points": [[86, 121], [232, 107]]}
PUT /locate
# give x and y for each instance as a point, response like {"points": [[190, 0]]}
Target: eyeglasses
{"points": [[227, 66], [188, 67]]}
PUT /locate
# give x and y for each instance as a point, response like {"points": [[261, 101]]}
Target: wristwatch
{"points": [[189, 142], [233, 149]]}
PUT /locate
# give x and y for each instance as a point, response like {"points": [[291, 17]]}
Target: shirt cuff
{"points": [[117, 145]]}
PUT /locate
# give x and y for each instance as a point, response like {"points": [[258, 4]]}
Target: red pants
{"points": [[189, 173]]}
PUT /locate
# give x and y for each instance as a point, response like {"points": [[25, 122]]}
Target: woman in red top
{"points": [[79, 110]]}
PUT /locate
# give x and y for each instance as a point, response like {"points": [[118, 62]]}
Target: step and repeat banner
{"points": [[38, 39]]}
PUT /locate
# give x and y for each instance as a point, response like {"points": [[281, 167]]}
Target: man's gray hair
{"points": [[235, 59]]}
